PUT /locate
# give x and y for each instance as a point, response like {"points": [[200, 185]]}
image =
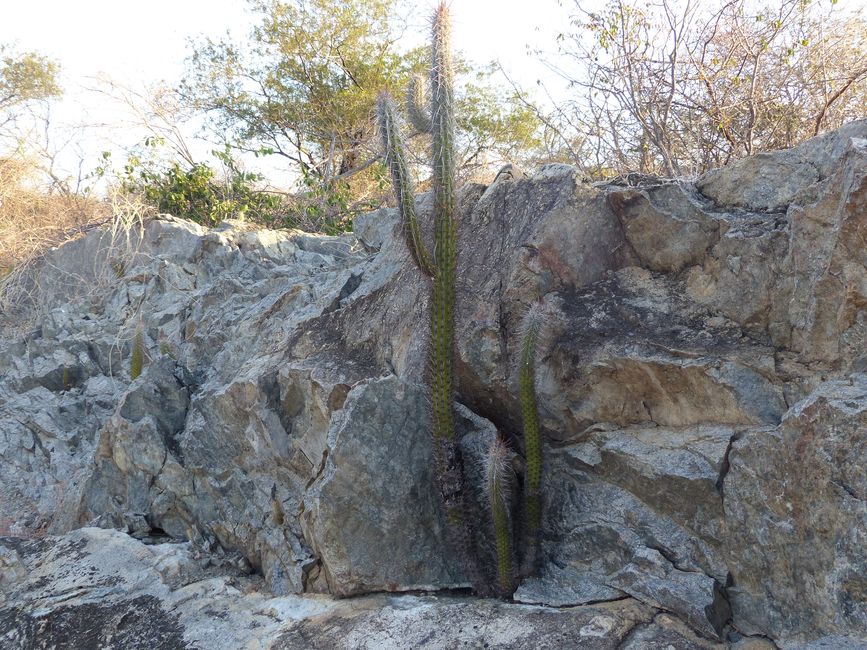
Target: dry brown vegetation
{"points": [[33, 219]]}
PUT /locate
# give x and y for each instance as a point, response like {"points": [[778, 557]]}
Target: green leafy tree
{"points": [[304, 84], [198, 191], [24, 78]]}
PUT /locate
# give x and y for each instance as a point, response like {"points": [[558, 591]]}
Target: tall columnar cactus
{"points": [[441, 269], [532, 326], [499, 485]]}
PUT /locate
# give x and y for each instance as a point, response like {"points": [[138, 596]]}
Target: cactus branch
{"points": [[497, 479], [416, 100], [532, 441], [395, 160]]}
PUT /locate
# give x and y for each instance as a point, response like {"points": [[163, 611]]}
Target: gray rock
{"points": [[796, 511], [774, 180], [665, 227], [377, 527], [697, 338], [96, 588]]}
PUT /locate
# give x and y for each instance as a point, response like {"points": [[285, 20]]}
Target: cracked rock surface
{"points": [[702, 392]]}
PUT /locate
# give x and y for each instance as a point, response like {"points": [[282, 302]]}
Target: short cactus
{"points": [[498, 475], [136, 361]]}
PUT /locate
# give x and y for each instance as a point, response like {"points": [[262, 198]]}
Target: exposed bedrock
{"points": [[702, 392]]}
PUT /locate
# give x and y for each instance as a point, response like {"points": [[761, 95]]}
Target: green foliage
{"points": [[25, 77], [198, 193], [136, 362], [303, 84], [494, 124], [303, 87]]}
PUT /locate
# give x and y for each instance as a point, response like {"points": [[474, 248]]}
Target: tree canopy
{"points": [[24, 77], [304, 84]]}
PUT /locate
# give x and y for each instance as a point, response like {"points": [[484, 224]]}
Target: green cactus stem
{"points": [[136, 361], [66, 378], [441, 269], [416, 100], [498, 483], [442, 315], [395, 160], [533, 322]]}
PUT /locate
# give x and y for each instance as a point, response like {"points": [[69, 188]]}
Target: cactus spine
{"points": [[441, 269], [497, 478], [532, 440]]}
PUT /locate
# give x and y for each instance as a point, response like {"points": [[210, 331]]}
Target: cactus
{"points": [[395, 160], [137, 359], [498, 484], [416, 97], [441, 269], [439, 121], [66, 378], [532, 325]]}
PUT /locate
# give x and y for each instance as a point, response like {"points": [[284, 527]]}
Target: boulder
{"points": [[700, 384]]}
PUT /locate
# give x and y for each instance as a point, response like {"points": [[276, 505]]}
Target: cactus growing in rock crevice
{"points": [[136, 361], [531, 326], [441, 269], [439, 121], [498, 485]]}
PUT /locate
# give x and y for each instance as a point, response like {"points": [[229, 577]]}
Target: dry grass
{"points": [[33, 220]]}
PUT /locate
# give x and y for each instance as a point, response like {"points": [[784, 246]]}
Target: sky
{"points": [[138, 44]]}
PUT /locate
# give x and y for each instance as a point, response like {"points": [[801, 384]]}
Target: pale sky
{"points": [[144, 42]]}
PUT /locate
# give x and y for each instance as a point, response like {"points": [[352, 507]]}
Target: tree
{"points": [[679, 87], [304, 85], [24, 77]]}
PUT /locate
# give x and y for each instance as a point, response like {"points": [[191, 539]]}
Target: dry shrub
{"points": [[33, 220]]}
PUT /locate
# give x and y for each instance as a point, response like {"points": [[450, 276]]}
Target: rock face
{"points": [[702, 390]]}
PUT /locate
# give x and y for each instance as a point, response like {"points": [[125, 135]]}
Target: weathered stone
{"points": [[377, 527], [283, 371], [773, 181], [98, 588], [796, 511], [665, 227], [600, 540]]}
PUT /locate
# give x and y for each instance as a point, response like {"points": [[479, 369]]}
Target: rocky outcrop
{"points": [[96, 588], [702, 392]]}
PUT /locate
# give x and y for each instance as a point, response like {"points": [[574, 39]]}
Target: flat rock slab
{"points": [[96, 588]]}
